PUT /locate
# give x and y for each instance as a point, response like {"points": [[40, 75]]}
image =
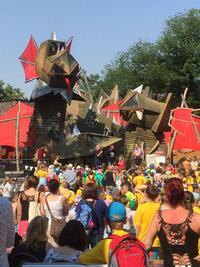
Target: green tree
{"points": [[169, 64], [8, 92], [180, 52]]}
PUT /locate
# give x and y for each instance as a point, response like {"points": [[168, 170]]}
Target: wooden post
{"points": [[174, 134], [17, 135]]}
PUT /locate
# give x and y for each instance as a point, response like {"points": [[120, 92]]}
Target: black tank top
{"points": [[179, 243]]}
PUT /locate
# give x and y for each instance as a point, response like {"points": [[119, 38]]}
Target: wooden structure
{"points": [[47, 123], [148, 119]]}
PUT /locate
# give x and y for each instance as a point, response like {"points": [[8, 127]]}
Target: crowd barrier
{"points": [[62, 264], [156, 263]]}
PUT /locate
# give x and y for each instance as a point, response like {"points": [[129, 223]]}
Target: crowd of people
{"points": [[68, 212]]}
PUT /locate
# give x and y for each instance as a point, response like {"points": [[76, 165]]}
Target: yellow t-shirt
{"points": [[139, 198], [196, 209], [139, 180], [79, 192], [190, 183], [70, 196], [41, 173], [143, 218], [99, 254]]}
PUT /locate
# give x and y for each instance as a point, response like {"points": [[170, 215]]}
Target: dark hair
{"points": [[53, 186], [90, 191], [152, 192], [32, 181], [124, 200], [188, 200], [73, 235], [42, 188], [174, 191]]}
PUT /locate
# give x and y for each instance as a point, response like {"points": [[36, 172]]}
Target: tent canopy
{"points": [[8, 125]]}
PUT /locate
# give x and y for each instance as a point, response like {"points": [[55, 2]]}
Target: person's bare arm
{"points": [[19, 210], [137, 229], [150, 236], [42, 211], [65, 206], [41, 196]]}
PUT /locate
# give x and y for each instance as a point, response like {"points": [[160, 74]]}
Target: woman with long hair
{"points": [[177, 228], [95, 209], [53, 204], [34, 243], [28, 204]]}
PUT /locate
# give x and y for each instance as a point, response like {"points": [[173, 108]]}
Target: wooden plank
{"points": [[17, 136]]}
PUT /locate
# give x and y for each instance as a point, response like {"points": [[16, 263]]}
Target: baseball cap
{"points": [[116, 212]]}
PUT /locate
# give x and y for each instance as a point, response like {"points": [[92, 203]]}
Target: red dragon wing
{"points": [[28, 59]]}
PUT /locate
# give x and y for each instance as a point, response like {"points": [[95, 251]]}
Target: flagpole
{"points": [[17, 135]]}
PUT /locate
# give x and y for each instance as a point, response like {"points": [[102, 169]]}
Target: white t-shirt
{"points": [[6, 189]]}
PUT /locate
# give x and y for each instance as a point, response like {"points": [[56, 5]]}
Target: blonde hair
{"points": [[36, 232]]}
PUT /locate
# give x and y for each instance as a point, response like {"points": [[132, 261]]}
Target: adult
{"points": [[71, 243], [6, 187], [98, 156], [34, 243], [194, 164], [177, 229], [111, 155], [186, 164], [145, 214], [109, 181], [137, 154], [56, 204], [7, 231], [42, 174], [68, 194], [139, 180], [40, 153], [98, 207], [56, 162], [69, 176], [116, 218], [121, 163], [28, 204]]}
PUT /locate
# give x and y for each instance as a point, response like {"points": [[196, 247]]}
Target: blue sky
{"points": [[101, 28]]}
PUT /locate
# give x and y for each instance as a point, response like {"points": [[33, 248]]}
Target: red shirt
{"points": [[121, 165], [40, 153]]}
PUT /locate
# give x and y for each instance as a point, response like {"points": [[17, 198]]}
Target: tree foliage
{"points": [[171, 63], [8, 92]]}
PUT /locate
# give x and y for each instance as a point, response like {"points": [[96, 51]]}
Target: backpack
{"points": [[87, 216], [126, 251]]}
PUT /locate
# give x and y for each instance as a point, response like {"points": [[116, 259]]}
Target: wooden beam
{"points": [[14, 119], [174, 133], [17, 136]]}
